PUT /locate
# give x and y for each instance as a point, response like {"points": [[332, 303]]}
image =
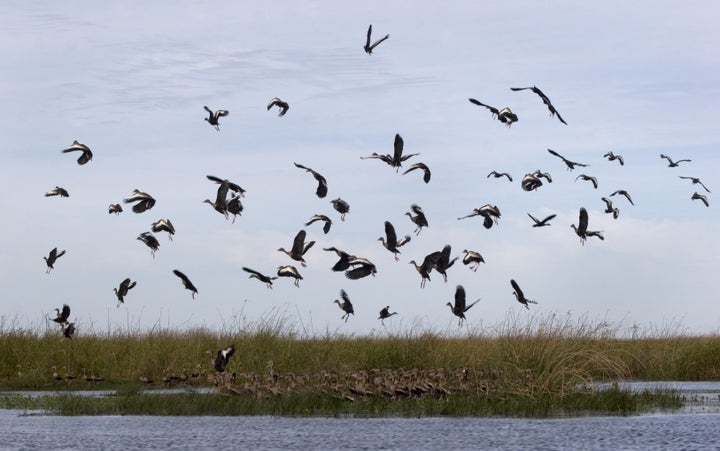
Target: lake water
{"points": [[694, 427]]}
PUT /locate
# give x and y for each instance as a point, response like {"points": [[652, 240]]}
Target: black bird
{"points": [[545, 100], [397, 158], [425, 169], [221, 203], [163, 225], [701, 197], [426, 267], [267, 280], [530, 182], [290, 271], [520, 296], [490, 213], [460, 306], [282, 106], [497, 175], [346, 306], [234, 206], [223, 356], [540, 174], [473, 259], [62, 316], [581, 228], [570, 164], [77, 147], [186, 282], [344, 262], [442, 261], [671, 163], [150, 241], [115, 208], [51, 258], [341, 207], [369, 48], [62, 192], [361, 267], [588, 179], [595, 233], [299, 248], [695, 181], [325, 219], [506, 116], [226, 185], [622, 192], [125, 286], [390, 241], [68, 330], [144, 201], [611, 157], [322, 188], [384, 314], [418, 219], [214, 117], [544, 222], [610, 209]]}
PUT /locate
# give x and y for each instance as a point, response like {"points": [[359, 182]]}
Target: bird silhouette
{"points": [[490, 213], [520, 296], [472, 259], [222, 358], [385, 314], [346, 306], [671, 163], [122, 291], [397, 158], [588, 179], [290, 271], [214, 117], [150, 241], [282, 106], [704, 200], [545, 222], [299, 248], [234, 206], [115, 208], [344, 259], [506, 116], [460, 306], [267, 280], [51, 258], [570, 164], [360, 267], [322, 188], [186, 282], [612, 157], [530, 182], [57, 191], [695, 181], [144, 201], [62, 315], [390, 241], [581, 228], [425, 169], [163, 225], [327, 222], [497, 175], [622, 192], [341, 207], [545, 99], [86, 154], [370, 47], [418, 218], [609, 208]]}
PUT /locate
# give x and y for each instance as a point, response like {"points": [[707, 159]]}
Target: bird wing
{"points": [[517, 289], [416, 209], [398, 146], [423, 166], [369, 34], [477, 102], [344, 296], [468, 307], [359, 272], [125, 284], [535, 220], [549, 218], [375, 44], [252, 271], [52, 254], [222, 113], [65, 314], [181, 275], [582, 221], [85, 157], [299, 242], [552, 152], [208, 110], [460, 298], [390, 235]]}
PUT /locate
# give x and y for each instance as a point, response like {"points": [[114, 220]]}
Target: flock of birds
{"points": [[227, 201]]}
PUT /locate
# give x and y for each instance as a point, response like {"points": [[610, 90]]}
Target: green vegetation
{"points": [[546, 365]]}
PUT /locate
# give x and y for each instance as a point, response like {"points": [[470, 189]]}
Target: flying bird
{"points": [[441, 260], [472, 259], [581, 228], [425, 169], [282, 106], [570, 164], [425, 268], [115, 208], [299, 248], [540, 174], [234, 206], [545, 222], [122, 291], [322, 188], [695, 181], [701, 197], [346, 306], [418, 219], [223, 356], [490, 213], [163, 225], [267, 280], [520, 296], [62, 316], [622, 192], [506, 116], [57, 191], [325, 219], [68, 330], [186, 282], [385, 314], [344, 259], [671, 163], [78, 147], [221, 203], [214, 117], [51, 258], [588, 179], [341, 207], [497, 175], [530, 183], [150, 241], [612, 157], [545, 99], [460, 306], [397, 158], [368, 47], [144, 201], [390, 241], [609, 208], [290, 271], [361, 267]]}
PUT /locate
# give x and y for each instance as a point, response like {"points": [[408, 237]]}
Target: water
{"points": [[694, 426]]}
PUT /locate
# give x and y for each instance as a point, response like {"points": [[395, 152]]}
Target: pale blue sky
{"points": [[130, 79]]}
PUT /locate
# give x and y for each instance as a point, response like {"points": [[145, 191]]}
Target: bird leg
{"points": [[297, 283], [396, 258], [303, 264]]}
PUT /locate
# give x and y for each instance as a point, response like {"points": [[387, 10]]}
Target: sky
{"points": [[130, 79]]}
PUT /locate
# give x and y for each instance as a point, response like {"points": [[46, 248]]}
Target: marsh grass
{"points": [[520, 367]]}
